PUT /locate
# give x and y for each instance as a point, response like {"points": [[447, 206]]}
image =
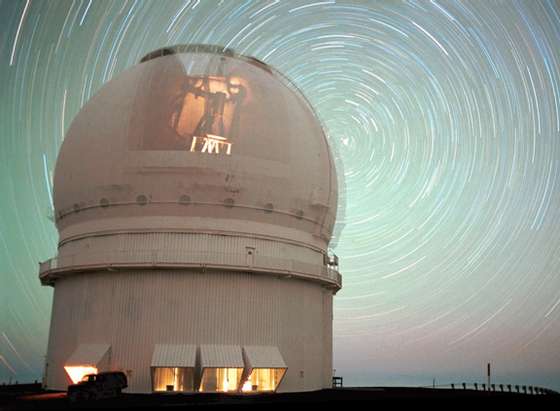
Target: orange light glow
{"points": [[76, 373], [207, 107], [220, 379], [173, 379], [247, 386], [263, 379]]}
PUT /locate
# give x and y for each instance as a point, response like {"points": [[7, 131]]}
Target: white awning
{"points": [[221, 356], [260, 356], [89, 354], [174, 355]]}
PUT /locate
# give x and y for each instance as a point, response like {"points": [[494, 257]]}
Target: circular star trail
{"points": [[444, 118]]}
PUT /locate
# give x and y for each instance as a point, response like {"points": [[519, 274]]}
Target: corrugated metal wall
{"points": [[221, 356], [174, 355], [133, 311]]}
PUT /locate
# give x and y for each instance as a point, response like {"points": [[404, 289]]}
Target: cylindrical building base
{"points": [[133, 311]]}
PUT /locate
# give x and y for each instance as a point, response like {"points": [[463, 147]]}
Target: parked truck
{"points": [[97, 386]]}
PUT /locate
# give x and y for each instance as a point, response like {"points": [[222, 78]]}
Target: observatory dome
{"points": [[195, 197], [197, 138]]}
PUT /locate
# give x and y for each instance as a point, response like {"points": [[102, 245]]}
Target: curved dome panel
{"points": [[197, 140]]}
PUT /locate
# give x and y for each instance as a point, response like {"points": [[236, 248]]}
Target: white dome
{"points": [[195, 198], [195, 139]]}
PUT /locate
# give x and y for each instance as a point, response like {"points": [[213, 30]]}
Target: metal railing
{"points": [[506, 388], [187, 259]]}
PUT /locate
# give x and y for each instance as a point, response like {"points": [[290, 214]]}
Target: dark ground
{"points": [[32, 397]]}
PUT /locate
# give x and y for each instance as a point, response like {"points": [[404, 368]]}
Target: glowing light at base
{"points": [[263, 379], [247, 386], [225, 384], [76, 373], [173, 379], [230, 379], [220, 379]]}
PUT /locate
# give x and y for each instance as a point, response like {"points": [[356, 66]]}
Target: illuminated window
{"points": [[173, 379], [220, 379], [263, 379], [265, 368], [173, 367], [222, 368]]}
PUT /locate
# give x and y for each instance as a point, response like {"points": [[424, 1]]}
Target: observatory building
{"points": [[195, 197]]}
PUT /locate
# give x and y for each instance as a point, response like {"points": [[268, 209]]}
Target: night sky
{"points": [[444, 118]]}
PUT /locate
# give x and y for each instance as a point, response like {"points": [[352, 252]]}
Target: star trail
{"points": [[444, 118]]}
